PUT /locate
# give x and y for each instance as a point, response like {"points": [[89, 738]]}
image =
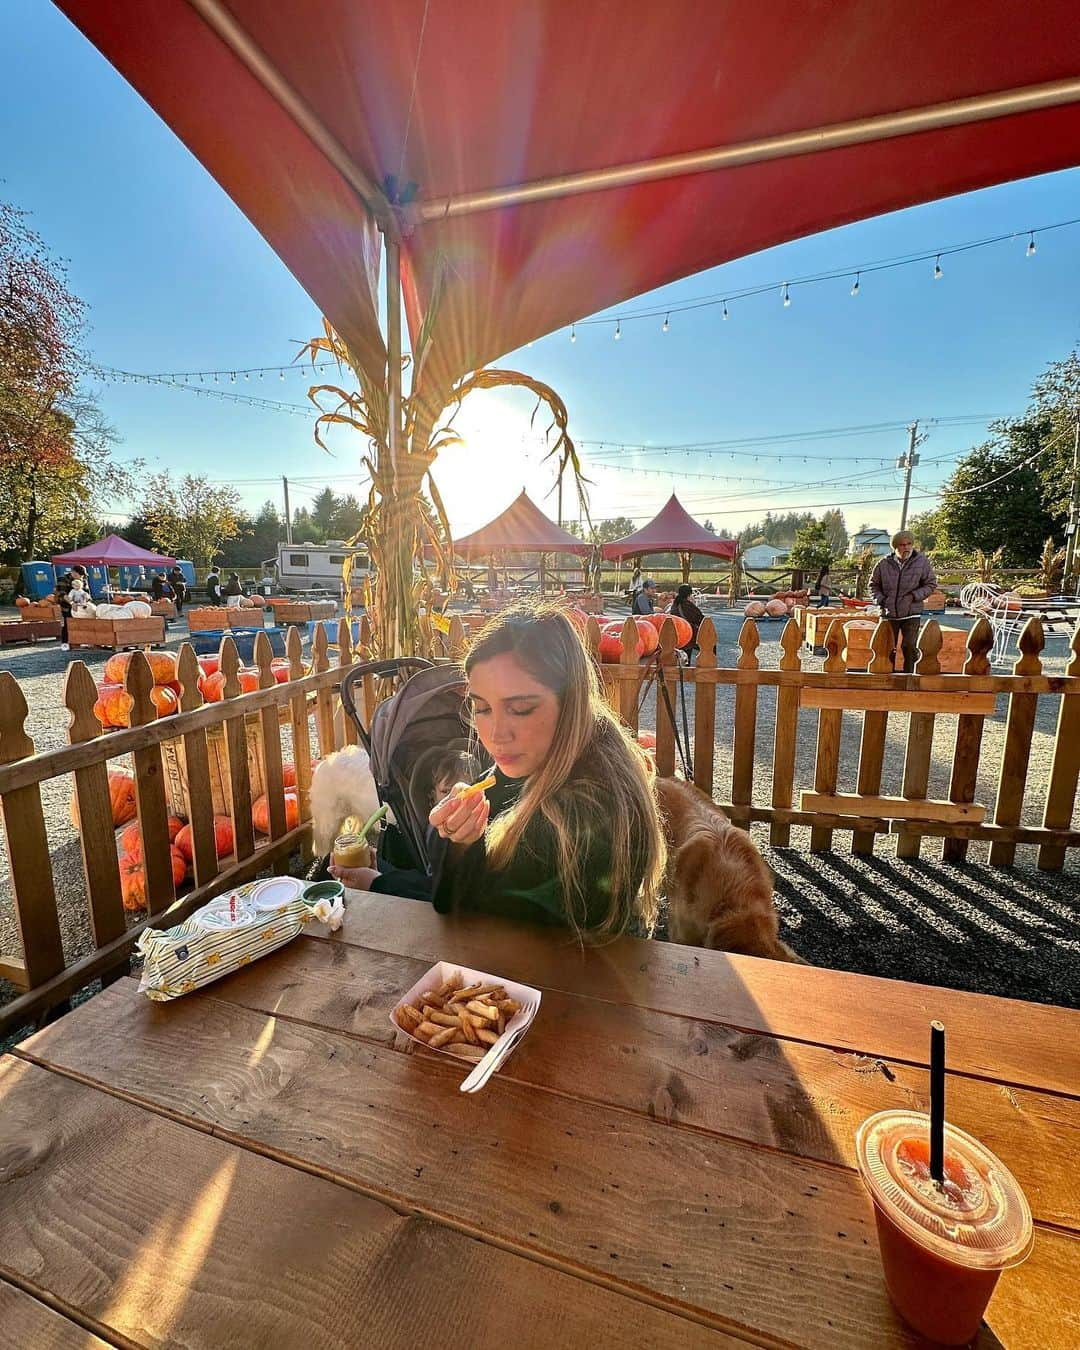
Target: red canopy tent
{"points": [[672, 531], [571, 155], [113, 551], [521, 528]]}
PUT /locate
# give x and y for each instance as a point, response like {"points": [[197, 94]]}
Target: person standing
{"points": [[178, 582], [901, 582], [685, 608], [213, 586], [824, 588], [234, 589], [644, 601], [63, 599]]}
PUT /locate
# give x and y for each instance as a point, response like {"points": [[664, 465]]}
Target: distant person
{"points": [[635, 581], [824, 588], [644, 601], [213, 587], [684, 608], [178, 582], [63, 599], [901, 582], [159, 587], [233, 588]]}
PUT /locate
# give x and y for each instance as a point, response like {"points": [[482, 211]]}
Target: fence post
{"points": [[270, 734], [197, 772], [705, 709], [1065, 769], [324, 703], [742, 768], [786, 732], [874, 728], [298, 719], [150, 791], [345, 660], [236, 754], [920, 740], [1019, 726], [828, 737], [93, 801], [969, 734], [629, 677]]}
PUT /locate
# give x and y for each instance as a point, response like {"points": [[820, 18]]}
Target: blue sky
{"points": [[176, 279]]}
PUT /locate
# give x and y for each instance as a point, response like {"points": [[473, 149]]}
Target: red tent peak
{"points": [[673, 530]]}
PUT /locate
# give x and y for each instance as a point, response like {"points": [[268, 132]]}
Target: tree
{"points": [[348, 518], [55, 446], [190, 518], [929, 530], [811, 550], [136, 531], [836, 531], [995, 499], [324, 510]]}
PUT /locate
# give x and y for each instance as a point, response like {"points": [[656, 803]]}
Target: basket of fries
{"points": [[464, 1013]]}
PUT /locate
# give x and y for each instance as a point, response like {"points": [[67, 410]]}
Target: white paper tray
{"points": [[439, 973]]}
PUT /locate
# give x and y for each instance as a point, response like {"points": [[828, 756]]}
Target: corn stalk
{"points": [[984, 565], [1051, 566]]}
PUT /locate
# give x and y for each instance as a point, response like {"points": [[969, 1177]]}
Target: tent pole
{"points": [[908, 122]]}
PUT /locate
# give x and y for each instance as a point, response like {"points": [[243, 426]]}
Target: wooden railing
{"points": [[305, 708], [874, 696]]}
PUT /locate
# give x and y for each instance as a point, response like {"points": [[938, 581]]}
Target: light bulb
{"points": [[232, 378], [215, 377], [787, 297], [724, 315], [938, 274], [665, 325], [281, 375], [618, 330], [855, 288], [247, 375], [1031, 245], [573, 333]]}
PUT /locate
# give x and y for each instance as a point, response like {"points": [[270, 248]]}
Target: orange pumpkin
{"points": [[649, 634], [22, 602], [113, 706], [162, 666], [224, 842], [611, 641], [260, 813], [130, 843], [209, 665], [164, 700], [133, 880], [647, 740], [249, 681], [116, 667], [280, 667], [212, 687]]}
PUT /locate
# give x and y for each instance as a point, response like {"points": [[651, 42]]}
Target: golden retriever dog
{"points": [[719, 888]]}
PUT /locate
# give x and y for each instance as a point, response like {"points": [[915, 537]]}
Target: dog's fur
{"points": [[719, 889], [342, 786]]}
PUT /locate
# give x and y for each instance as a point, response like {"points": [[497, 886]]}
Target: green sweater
{"points": [[530, 886]]}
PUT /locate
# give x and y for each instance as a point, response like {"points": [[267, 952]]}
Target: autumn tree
{"points": [[190, 518]]}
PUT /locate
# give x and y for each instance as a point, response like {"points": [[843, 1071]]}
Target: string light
{"points": [[725, 313], [787, 296], [573, 333], [232, 378], [665, 325], [855, 288], [281, 376], [1030, 250], [618, 331], [938, 274]]}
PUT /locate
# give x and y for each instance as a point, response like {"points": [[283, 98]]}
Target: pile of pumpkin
{"points": [[114, 703], [181, 845], [648, 627], [779, 607]]}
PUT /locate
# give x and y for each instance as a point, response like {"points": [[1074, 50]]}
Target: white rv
{"points": [[306, 567]]}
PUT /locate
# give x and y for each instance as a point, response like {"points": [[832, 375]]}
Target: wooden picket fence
{"points": [[874, 694], [308, 708]]}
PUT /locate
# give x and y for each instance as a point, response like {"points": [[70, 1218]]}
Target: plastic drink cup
{"points": [[943, 1246], [352, 850]]}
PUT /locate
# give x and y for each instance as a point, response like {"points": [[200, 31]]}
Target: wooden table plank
{"points": [[26, 1322], [692, 1220], [799, 1099], [863, 1013], [168, 1236]]}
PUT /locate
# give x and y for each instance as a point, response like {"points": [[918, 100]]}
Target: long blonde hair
{"points": [[616, 785]]}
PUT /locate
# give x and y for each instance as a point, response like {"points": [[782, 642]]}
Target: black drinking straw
{"points": [[937, 1101]]}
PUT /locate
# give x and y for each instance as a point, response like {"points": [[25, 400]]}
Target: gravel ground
{"points": [[1011, 931]]}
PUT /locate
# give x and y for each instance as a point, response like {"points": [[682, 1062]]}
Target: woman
{"points": [[824, 588], [685, 608], [570, 832]]}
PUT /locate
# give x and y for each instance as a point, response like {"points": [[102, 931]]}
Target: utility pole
{"points": [[1074, 506], [288, 513], [908, 462]]}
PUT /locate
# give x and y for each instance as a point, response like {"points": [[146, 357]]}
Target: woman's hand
{"points": [[356, 878], [462, 820]]}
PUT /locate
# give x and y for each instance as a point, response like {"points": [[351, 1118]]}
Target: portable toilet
{"points": [[97, 579], [39, 579], [188, 569]]}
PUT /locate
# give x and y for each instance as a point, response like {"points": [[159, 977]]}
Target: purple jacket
{"points": [[901, 587]]}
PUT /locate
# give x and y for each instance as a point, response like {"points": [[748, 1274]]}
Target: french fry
{"points": [[451, 983], [484, 1010], [432, 999], [473, 1053], [408, 1017], [500, 1025], [482, 786], [485, 1037], [444, 1019], [508, 1006], [426, 1030], [444, 1037], [467, 1026], [463, 995]]}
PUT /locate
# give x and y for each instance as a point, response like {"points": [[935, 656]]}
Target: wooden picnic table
{"points": [[666, 1161]]}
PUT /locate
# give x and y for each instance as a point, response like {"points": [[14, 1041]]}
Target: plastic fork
{"points": [[516, 1028]]}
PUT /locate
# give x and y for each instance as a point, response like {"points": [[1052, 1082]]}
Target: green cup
{"points": [[322, 890]]}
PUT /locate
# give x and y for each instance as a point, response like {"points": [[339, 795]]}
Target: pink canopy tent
{"points": [[521, 528], [672, 531], [532, 169], [112, 551]]}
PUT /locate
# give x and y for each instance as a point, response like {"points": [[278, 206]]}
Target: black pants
{"points": [[908, 630]]}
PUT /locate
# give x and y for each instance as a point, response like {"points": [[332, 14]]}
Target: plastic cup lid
{"points": [[275, 893], [977, 1217]]}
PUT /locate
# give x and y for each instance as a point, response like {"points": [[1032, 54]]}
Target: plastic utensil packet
{"points": [[223, 936]]}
